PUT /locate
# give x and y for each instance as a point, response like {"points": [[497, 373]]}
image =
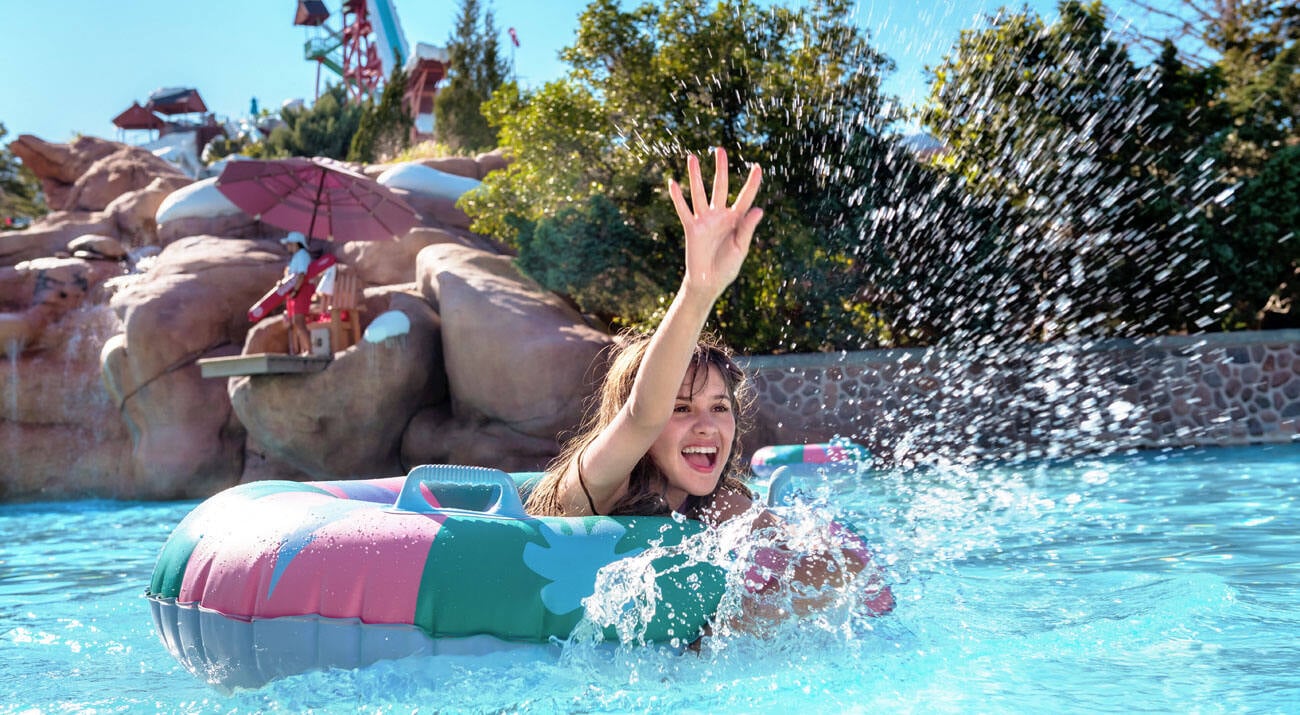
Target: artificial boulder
{"points": [[127, 169], [50, 235], [60, 166], [489, 162], [392, 262], [348, 420], [135, 211], [190, 304], [97, 247], [201, 209], [517, 356], [60, 434]]}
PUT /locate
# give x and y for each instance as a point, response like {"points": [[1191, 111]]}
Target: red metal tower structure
{"points": [[362, 70], [349, 52]]}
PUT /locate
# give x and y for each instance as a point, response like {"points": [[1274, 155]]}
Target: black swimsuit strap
{"points": [[583, 483]]}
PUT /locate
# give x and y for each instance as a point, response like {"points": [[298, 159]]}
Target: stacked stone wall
{"points": [[1032, 401]]}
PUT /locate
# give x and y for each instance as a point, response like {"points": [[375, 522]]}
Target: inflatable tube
{"points": [[275, 297], [838, 455], [274, 578]]}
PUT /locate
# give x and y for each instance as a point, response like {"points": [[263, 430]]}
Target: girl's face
{"points": [[693, 449]]}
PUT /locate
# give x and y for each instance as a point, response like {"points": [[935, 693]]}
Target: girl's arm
{"points": [[717, 241]]}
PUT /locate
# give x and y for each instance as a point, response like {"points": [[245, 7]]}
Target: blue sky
{"points": [[70, 66]]}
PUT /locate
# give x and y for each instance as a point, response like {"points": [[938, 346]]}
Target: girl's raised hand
{"points": [[717, 236]]}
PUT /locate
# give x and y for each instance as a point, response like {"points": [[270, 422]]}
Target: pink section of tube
{"points": [[326, 561]]}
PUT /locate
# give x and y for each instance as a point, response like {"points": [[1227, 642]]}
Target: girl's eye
{"points": [[722, 408], [681, 408]]}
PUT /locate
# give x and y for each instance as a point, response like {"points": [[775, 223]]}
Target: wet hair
{"points": [[646, 482]]}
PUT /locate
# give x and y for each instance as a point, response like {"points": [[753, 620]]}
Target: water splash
{"points": [[763, 567]]}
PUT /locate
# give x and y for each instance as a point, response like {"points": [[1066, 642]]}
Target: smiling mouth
{"points": [[703, 458]]}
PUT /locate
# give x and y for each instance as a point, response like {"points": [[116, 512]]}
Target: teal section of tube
{"points": [[524, 579]]}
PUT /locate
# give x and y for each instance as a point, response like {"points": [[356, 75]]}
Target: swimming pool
{"points": [[1158, 582]]}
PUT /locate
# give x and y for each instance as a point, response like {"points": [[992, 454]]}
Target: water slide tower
{"points": [[364, 51]]}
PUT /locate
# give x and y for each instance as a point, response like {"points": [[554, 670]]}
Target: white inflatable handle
{"points": [[491, 490]]}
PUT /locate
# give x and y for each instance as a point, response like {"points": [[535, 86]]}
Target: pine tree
{"points": [[475, 71], [385, 128], [20, 193]]}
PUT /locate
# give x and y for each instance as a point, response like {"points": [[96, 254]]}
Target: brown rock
{"points": [[62, 162], [238, 225], [68, 282], [434, 436], [436, 211], [60, 435], [127, 169], [515, 354], [391, 262], [58, 166], [199, 209], [458, 165], [135, 211], [94, 246], [494, 160], [191, 303], [59, 283], [51, 234], [348, 420]]}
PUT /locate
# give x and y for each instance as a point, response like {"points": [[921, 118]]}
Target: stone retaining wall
{"points": [[1041, 400]]}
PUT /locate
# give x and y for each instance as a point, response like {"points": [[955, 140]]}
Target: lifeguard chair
{"points": [[335, 322]]}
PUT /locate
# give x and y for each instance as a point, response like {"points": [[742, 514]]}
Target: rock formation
{"points": [[107, 397]]}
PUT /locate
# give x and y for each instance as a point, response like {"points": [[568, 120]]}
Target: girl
{"points": [[665, 435], [664, 438]]}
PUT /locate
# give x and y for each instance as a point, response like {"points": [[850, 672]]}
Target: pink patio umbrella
{"points": [[320, 197]]}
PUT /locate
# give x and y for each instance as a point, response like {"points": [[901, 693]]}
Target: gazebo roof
{"points": [[311, 13], [176, 100], [137, 117]]}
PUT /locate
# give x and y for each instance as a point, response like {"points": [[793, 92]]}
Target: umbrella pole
{"points": [[320, 189]]}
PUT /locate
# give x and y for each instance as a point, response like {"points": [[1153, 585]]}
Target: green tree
{"points": [[1253, 47], [475, 71], [384, 129], [1113, 225], [790, 89], [20, 191], [324, 129]]}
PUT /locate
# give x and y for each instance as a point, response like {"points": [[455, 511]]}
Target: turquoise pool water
{"points": [[1151, 583]]}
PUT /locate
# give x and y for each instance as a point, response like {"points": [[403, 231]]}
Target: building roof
{"points": [[137, 117], [176, 100]]}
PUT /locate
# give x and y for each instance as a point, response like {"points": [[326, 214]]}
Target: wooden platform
{"points": [[262, 364]]}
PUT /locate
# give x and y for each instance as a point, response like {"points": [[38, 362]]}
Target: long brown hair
{"points": [[645, 484]]}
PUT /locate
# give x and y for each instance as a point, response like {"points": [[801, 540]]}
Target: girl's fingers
{"points": [[719, 179], [745, 230], [679, 202], [699, 199], [749, 191]]}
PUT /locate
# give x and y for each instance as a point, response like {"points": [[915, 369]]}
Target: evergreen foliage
{"points": [[475, 71], [794, 90], [1252, 47], [1119, 177], [20, 191], [324, 129], [384, 130]]}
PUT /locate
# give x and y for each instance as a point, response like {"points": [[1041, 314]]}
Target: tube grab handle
{"points": [[433, 487]]}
